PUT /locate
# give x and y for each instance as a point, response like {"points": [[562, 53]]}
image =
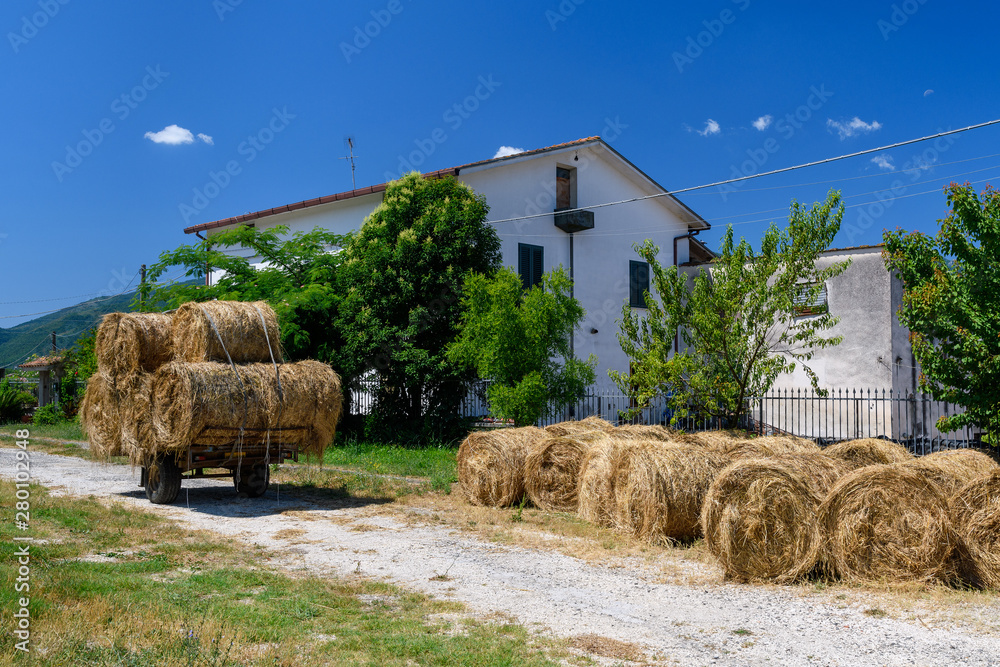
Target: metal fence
{"points": [[843, 414]]}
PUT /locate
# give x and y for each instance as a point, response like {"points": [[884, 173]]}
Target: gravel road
{"points": [[725, 624]]}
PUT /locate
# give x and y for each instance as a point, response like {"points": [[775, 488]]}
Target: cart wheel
{"points": [[253, 481], [163, 480]]}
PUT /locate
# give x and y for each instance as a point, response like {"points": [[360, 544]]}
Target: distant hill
{"points": [[35, 336]]}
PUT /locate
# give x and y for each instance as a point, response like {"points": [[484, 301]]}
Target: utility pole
{"points": [[142, 289]]}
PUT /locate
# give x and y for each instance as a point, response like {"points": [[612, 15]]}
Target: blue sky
{"points": [[87, 86]]}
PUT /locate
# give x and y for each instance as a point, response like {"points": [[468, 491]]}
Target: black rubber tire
{"points": [[252, 482], [163, 480]]}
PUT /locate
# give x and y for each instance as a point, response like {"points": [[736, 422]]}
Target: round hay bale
{"points": [[975, 513], [491, 464], [216, 404], [552, 469], [953, 469], [643, 432], [659, 489], [248, 331], [767, 446], [136, 417], [718, 440], [887, 522], [760, 516], [591, 423], [130, 343], [595, 483], [99, 418], [868, 452]]}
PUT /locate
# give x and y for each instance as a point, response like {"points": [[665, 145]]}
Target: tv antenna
{"points": [[350, 145]]}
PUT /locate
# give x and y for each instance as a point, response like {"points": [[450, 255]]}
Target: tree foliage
{"points": [[295, 273], [737, 324], [402, 276], [951, 304], [520, 341]]}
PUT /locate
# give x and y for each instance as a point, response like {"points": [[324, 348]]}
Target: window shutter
{"points": [[638, 282], [530, 264], [536, 268], [804, 305]]}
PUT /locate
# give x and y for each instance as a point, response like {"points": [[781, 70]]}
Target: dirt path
{"points": [[724, 624]]}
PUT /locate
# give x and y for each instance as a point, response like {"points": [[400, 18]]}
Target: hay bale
{"points": [[248, 331], [767, 446], [975, 513], [868, 452], [659, 488], [591, 423], [760, 516], [953, 469], [595, 483], [130, 343], [208, 403], [135, 410], [887, 522], [643, 432], [100, 419], [552, 469], [718, 439], [491, 464]]}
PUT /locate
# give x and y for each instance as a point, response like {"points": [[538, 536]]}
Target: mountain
{"points": [[35, 336]]}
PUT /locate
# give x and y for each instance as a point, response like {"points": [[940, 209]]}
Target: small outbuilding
{"points": [[50, 371]]}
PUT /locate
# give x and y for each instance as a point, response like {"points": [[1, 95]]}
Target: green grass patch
{"points": [[115, 586], [436, 463], [67, 430]]}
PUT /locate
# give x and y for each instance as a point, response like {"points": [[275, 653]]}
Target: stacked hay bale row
{"points": [[863, 510], [210, 373], [771, 509]]}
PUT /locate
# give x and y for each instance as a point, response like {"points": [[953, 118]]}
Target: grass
{"points": [[435, 463], [111, 585], [67, 430]]}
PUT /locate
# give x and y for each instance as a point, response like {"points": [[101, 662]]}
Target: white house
{"points": [[561, 185]]}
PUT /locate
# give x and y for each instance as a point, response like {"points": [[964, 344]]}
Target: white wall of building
{"points": [[526, 186]]}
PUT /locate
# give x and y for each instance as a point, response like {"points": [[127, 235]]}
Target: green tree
{"points": [[951, 304], [402, 279], [739, 324], [520, 341], [295, 273]]}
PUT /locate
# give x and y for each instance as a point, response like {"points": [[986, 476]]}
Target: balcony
{"points": [[574, 221]]}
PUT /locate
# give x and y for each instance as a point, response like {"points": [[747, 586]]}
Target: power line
{"points": [[746, 178], [56, 310]]}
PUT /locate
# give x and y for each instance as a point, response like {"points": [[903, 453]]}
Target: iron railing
{"points": [[843, 414]]}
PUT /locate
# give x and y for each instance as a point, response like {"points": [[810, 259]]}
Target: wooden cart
{"points": [[244, 455]]}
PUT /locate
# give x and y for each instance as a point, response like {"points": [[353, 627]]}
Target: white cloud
{"points": [[763, 122], [505, 151], [928, 92], [711, 127], [207, 139], [884, 162], [172, 135], [852, 127]]}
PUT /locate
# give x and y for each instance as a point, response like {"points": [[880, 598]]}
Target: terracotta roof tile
{"points": [[42, 361]]}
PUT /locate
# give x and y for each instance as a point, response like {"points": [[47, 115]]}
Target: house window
{"points": [[529, 264], [638, 283], [811, 301], [565, 186]]}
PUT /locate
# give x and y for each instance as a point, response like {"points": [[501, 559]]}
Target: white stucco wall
{"points": [[526, 186]]}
